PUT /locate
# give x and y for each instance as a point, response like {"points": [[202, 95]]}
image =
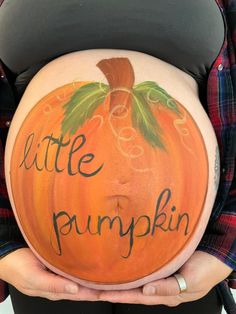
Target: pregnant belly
{"points": [[111, 167]]}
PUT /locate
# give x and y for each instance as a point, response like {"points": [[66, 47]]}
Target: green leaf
{"points": [[144, 120], [82, 105], [153, 93]]}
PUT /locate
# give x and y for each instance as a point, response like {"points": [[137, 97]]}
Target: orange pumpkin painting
{"points": [[109, 180]]}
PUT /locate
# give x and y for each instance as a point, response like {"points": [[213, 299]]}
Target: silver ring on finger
{"points": [[181, 282]]}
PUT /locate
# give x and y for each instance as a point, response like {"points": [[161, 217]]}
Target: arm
{"points": [[10, 235], [220, 236]]}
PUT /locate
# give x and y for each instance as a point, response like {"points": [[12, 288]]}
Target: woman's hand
{"points": [[201, 273], [25, 272]]}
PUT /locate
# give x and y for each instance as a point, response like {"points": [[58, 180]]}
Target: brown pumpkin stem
{"points": [[120, 76]]}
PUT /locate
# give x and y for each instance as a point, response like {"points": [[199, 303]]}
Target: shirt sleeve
{"points": [[10, 235], [220, 236]]}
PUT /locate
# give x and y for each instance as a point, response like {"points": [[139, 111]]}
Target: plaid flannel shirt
{"points": [[220, 236]]}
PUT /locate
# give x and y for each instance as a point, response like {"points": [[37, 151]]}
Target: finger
{"points": [[64, 288], [162, 287], [135, 296], [49, 282], [124, 296], [82, 295], [83, 290]]}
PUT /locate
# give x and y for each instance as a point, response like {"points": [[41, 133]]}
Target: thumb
{"points": [[163, 287], [50, 282]]}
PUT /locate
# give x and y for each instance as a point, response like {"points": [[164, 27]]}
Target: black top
{"points": [[185, 33]]}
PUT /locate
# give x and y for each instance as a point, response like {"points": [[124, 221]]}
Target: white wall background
{"points": [[6, 306]]}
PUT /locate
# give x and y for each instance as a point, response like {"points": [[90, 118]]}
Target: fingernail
{"points": [[149, 290], [72, 288]]}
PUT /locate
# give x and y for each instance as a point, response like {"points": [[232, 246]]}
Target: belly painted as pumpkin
{"points": [[109, 180]]}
